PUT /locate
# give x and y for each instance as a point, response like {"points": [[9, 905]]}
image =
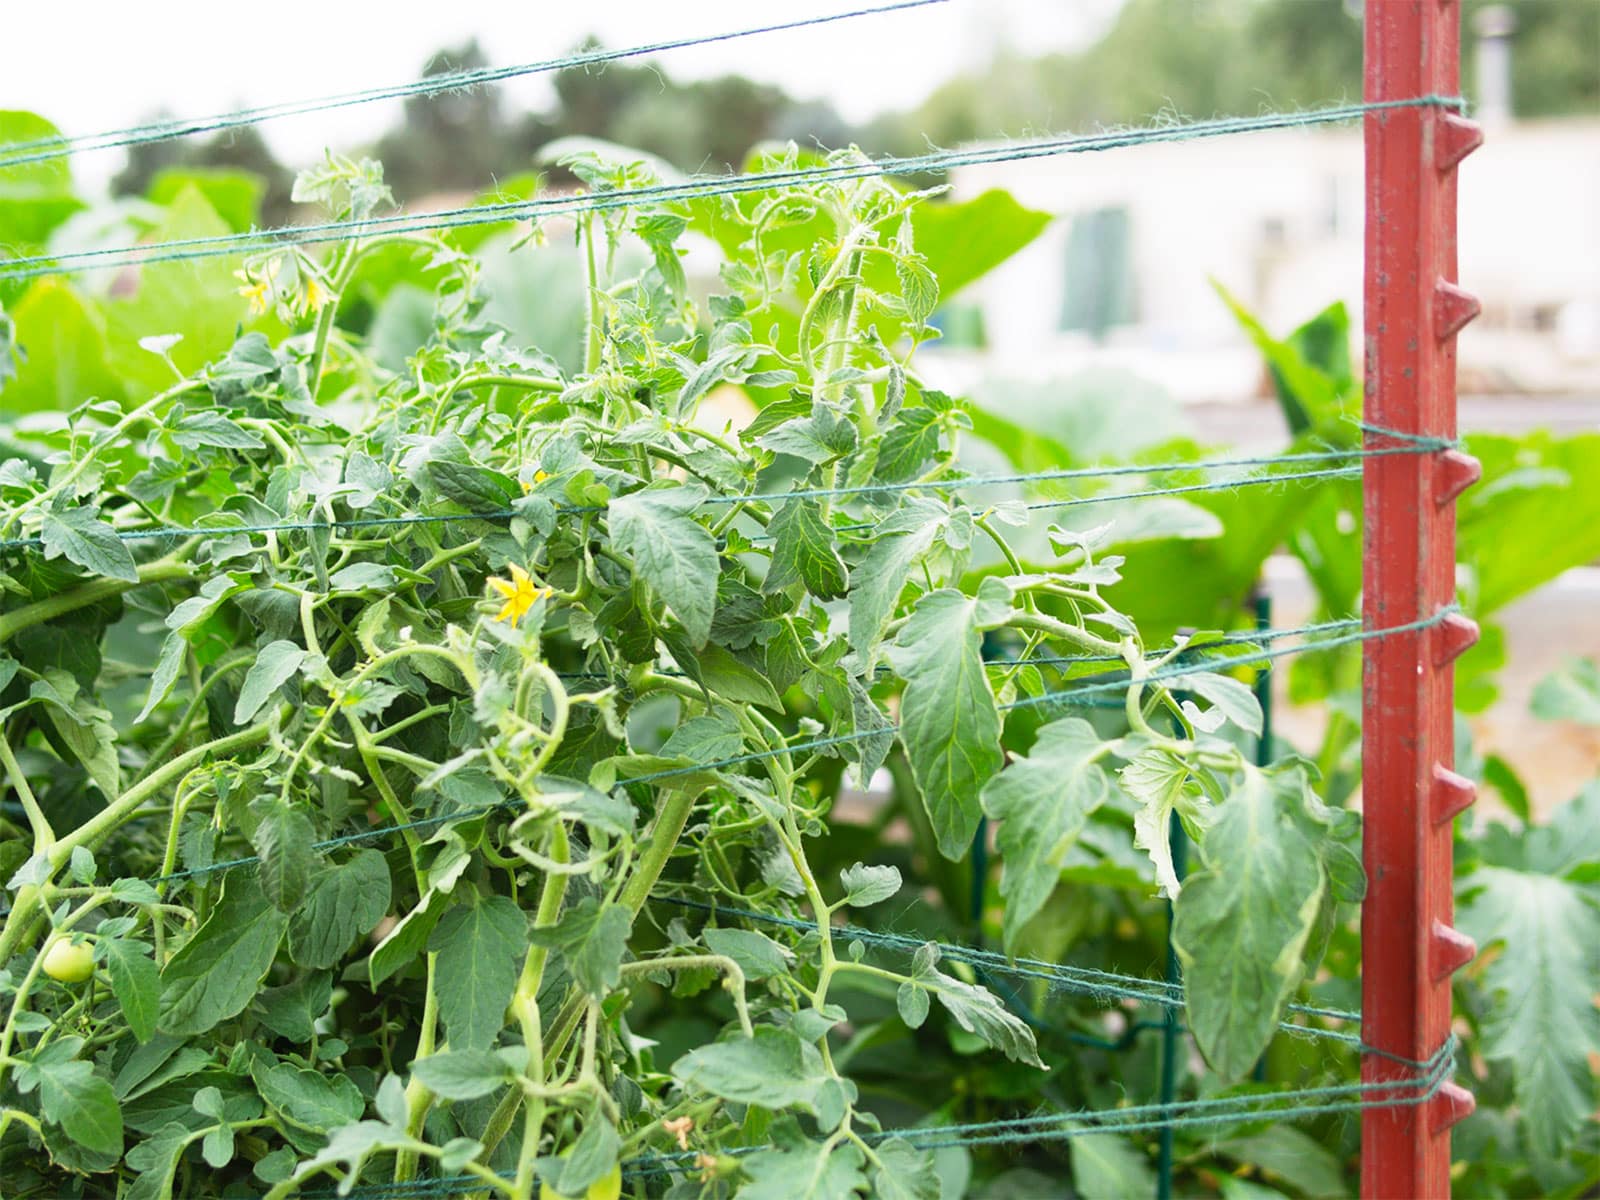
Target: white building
{"points": [[1122, 277]]}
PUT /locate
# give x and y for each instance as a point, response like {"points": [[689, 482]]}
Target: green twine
{"points": [[1428, 1077], [1065, 698], [43, 149], [1414, 445], [1108, 987], [321, 233]]}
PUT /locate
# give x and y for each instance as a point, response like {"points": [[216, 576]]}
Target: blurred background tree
{"points": [[1158, 56]]}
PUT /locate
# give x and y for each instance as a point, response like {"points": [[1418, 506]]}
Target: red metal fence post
{"points": [[1413, 311]]}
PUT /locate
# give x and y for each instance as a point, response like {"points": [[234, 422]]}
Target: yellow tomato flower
{"points": [[519, 593], [257, 291], [315, 294]]}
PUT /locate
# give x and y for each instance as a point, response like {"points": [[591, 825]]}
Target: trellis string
{"points": [[321, 233], [42, 149], [1416, 446]]}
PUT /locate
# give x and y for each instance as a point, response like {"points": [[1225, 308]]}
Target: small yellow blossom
{"points": [[315, 294], [707, 1165], [679, 1128], [257, 291], [520, 594], [538, 477]]}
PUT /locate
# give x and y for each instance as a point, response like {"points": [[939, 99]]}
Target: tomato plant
{"points": [[488, 667]]}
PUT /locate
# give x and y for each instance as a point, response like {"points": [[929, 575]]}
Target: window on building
{"points": [[1100, 290]]}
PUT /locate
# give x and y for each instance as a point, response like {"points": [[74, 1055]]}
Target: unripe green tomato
{"points": [[69, 962], [607, 1187]]}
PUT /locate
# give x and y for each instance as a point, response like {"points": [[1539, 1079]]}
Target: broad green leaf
{"points": [[198, 299], [135, 982], [63, 343], [218, 971], [318, 1099], [864, 885], [1535, 514], [235, 195], [1157, 780], [976, 1009], [463, 1074], [283, 840], [276, 663], [34, 197], [674, 553], [480, 953], [1042, 803], [1241, 924], [803, 551], [774, 1069], [79, 535], [758, 955], [592, 939], [72, 1096], [949, 723], [1540, 975], [1108, 1167]]}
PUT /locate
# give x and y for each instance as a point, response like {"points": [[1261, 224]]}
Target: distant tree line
{"points": [[1197, 58]]}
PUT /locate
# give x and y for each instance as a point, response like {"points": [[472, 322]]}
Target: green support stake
{"points": [[1171, 1028]]}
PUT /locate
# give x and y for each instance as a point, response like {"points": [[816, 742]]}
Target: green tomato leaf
{"points": [[949, 723], [135, 982], [276, 664], [904, 1172], [318, 1099], [1157, 780], [463, 1074], [1108, 1167], [592, 938], [1232, 699], [346, 901], [758, 956], [219, 971], [283, 839], [1541, 981], [976, 1009], [878, 579], [81, 537], [774, 1069], [864, 885], [804, 552], [803, 1170], [1042, 803], [1241, 924], [673, 552], [480, 950], [72, 1096]]}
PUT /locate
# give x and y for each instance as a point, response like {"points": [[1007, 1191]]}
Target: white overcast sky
{"points": [[94, 65]]}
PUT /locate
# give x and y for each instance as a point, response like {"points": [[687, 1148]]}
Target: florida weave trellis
{"points": [[1422, 1078]]}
